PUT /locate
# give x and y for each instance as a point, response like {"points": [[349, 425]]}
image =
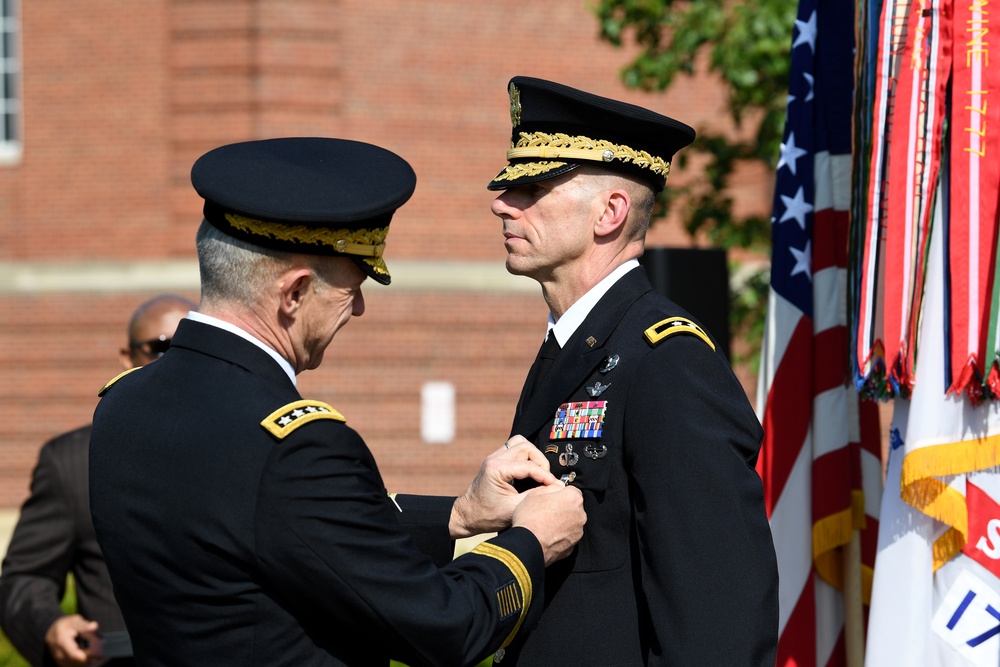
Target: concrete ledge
{"points": [[182, 275]]}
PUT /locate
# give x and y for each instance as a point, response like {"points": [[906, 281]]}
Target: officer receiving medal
{"points": [[631, 402]]}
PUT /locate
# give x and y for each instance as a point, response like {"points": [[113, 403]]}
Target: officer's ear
{"points": [[617, 204], [293, 286]]}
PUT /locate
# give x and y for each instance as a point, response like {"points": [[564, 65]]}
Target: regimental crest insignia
{"points": [[515, 105], [287, 418]]}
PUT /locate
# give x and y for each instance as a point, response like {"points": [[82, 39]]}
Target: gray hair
{"points": [[234, 270]]}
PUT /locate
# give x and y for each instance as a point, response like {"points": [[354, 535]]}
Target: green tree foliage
{"points": [[747, 45]]}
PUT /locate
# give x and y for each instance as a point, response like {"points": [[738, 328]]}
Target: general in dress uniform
{"points": [[246, 525], [632, 402]]}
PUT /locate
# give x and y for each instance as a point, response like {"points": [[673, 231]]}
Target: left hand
{"points": [[62, 637], [489, 502]]}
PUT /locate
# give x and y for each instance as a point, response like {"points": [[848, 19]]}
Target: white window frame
{"points": [[11, 108]]}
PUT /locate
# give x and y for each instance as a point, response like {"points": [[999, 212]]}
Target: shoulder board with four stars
{"points": [[676, 325], [289, 417], [116, 378]]}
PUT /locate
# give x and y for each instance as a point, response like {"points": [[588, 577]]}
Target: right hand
{"points": [[61, 640], [488, 504], [555, 515]]}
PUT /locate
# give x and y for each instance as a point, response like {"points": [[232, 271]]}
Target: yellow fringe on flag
{"points": [[922, 490], [949, 544], [940, 501], [834, 531], [953, 458]]}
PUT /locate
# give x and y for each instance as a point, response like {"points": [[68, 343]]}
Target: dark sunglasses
{"points": [[153, 349]]}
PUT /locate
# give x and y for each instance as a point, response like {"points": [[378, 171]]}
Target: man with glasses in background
{"points": [[55, 536]]}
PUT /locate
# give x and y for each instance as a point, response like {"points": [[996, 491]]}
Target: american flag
{"points": [[812, 461]]}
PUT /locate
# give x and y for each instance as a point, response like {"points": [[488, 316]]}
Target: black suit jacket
{"points": [[243, 526], [676, 566], [53, 537]]}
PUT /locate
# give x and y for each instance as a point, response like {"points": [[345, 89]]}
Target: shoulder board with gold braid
{"points": [[289, 417], [116, 378], [676, 325]]}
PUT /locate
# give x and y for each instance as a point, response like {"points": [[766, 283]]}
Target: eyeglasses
{"points": [[153, 349]]}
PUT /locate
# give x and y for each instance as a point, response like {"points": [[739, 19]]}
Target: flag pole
{"points": [[854, 634]]}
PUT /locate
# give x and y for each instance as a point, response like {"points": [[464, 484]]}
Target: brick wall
{"points": [[120, 99]]}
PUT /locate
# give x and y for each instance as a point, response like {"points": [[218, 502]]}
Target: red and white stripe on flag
{"points": [[975, 179], [819, 461]]}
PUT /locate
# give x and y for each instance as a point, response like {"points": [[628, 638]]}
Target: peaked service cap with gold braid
{"points": [[312, 195], [557, 129]]}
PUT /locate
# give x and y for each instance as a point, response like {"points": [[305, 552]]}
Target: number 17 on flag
{"points": [[969, 620]]}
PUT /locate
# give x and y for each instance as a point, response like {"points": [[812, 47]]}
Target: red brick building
{"points": [[117, 99]]}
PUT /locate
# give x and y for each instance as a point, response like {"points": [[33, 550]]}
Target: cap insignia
{"points": [[512, 172], [515, 105], [289, 417], [676, 325], [363, 242], [563, 146]]}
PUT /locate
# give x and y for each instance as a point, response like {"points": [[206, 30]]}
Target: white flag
{"points": [[936, 590]]}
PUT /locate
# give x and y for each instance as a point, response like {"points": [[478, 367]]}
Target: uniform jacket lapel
{"points": [[578, 358]]}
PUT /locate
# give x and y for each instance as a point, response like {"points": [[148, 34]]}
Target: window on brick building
{"points": [[10, 82]]}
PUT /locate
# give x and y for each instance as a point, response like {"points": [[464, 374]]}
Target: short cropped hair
{"points": [[234, 270], [643, 198]]}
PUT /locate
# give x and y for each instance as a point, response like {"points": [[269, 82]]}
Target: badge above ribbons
{"points": [[582, 419]]}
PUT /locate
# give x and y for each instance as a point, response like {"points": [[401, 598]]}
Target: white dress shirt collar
{"points": [[233, 329], [577, 313]]}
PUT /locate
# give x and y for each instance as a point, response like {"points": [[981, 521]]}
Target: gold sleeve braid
{"points": [[508, 600]]}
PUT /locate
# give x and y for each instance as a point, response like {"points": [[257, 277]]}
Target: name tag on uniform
{"points": [[583, 419]]}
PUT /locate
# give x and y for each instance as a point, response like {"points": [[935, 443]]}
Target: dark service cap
{"points": [[557, 128], [312, 195]]}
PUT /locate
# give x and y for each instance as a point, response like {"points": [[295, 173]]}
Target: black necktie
{"points": [[546, 354]]}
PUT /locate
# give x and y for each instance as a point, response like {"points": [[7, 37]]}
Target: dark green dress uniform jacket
{"points": [[676, 565], [244, 526], [53, 537]]}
